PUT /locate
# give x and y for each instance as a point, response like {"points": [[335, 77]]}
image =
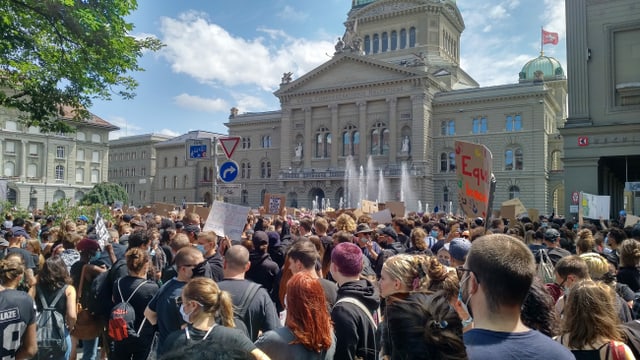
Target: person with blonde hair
{"points": [[404, 273], [585, 243], [590, 325], [308, 331], [201, 303], [599, 271], [629, 271]]}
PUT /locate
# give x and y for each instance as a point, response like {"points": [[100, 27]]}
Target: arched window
{"points": [[166, 162], [412, 37], [80, 136], [376, 43], [385, 141], [514, 192], [444, 165], [96, 138], [59, 172], [367, 44], [518, 159], [452, 162], [175, 161], [323, 143], [394, 40], [379, 139], [403, 39], [265, 169], [385, 41], [448, 162]]}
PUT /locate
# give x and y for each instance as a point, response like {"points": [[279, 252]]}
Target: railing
{"points": [[339, 174]]}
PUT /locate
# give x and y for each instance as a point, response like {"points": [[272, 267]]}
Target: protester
{"points": [[629, 271]]}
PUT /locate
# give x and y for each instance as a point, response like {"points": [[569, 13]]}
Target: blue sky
{"points": [[221, 54]]}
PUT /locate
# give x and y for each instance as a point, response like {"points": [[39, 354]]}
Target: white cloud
{"points": [[250, 103], [126, 128], [199, 103], [210, 54], [289, 13], [169, 132], [498, 12], [553, 17]]}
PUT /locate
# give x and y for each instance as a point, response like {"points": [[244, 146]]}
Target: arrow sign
{"points": [[229, 145], [228, 171]]}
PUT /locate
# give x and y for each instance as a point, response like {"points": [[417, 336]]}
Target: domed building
{"points": [[379, 120]]}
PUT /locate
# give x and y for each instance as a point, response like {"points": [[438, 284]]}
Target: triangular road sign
{"points": [[229, 145]]}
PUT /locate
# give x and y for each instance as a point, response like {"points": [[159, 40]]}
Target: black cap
{"points": [[551, 235]]}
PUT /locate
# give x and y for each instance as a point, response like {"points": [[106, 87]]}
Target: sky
{"points": [[224, 54]]}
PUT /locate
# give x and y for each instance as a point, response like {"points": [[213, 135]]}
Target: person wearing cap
{"points": [[16, 236], [357, 300], [369, 248], [552, 242], [82, 220], [458, 249], [192, 232]]}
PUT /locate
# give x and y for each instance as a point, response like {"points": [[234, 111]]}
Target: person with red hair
{"points": [[308, 331]]}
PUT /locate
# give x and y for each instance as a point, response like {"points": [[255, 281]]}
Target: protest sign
{"points": [[519, 209], [631, 220], [227, 219], [382, 217], [396, 207], [473, 171], [594, 206], [369, 207], [273, 203]]}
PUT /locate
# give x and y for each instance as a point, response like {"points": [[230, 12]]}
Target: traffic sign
{"points": [[229, 145], [583, 141], [228, 171], [575, 198]]}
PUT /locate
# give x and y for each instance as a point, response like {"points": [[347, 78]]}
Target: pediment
{"points": [[347, 71]]}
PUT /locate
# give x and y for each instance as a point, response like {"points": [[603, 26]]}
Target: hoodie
{"points": [[263, 270], [353, 329]]}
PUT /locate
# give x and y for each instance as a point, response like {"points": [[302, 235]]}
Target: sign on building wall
{"points": [[474, 163], [198, 149]]}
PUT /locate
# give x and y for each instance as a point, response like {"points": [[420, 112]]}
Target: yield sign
{"points": [[229, 145]]}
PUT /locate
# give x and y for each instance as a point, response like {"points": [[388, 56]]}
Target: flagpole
{"points": [[541, 41]]}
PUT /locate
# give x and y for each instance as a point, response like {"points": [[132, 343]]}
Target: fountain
{"points": [[381, 187], [406, 192]]}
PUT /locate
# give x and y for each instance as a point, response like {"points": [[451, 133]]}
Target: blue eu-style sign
{"points": [[197, 151], [228, 171]]}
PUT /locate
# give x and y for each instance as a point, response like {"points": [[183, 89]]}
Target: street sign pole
{"points": [[215, 166]]}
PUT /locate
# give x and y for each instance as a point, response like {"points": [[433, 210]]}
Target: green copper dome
{"points": [[550, 68]]}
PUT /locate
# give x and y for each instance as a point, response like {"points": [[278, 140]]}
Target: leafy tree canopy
{"points": [[105, 193], [56, 53]]}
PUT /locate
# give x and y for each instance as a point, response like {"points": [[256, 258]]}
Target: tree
{"points": [[65, 53], [105, 193]]}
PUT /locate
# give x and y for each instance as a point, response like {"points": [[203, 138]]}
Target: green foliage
{"points": [[63, 210], [9, 207], [57, 53], [105, 193]]}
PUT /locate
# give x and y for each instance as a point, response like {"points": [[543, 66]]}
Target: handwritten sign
{"points": [[369, 207], [274, 204], [594, 206], [396, 207], [382, 217], [227, 219], [473, 170]]}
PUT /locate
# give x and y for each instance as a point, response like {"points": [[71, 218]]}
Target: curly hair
{"points": [[54, 274], [10, 269], [538, 310], [307, 314], [346, 223], [442, 278], [630, 253], [424, 326], [411, 270]]}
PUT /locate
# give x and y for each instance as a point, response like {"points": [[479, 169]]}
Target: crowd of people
{"points": [[320, 286]]}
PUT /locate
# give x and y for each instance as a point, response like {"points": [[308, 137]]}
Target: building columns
{"points": [[335, 135], [393, 130], [309, 141], [364, 132]]}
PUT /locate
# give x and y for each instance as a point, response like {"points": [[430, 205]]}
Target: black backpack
{"points": [[123, 317], [101, 300], [240, 311], [50, 334]]}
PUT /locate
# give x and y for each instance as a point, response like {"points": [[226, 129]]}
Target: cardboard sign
{"points": [[162, 208], [474, 163], [519, 208], [382, 217], [508, 211], [227, 219], [396, 207], [631, 220], [594, 206], [274, 204], [533, 214], [369, 207]]}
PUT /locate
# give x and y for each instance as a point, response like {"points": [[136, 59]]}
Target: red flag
{"points": [[549, 37]]}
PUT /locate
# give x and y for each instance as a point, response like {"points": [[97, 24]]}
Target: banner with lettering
{"points": [[227, 219], [474, 163], [594, 206]]}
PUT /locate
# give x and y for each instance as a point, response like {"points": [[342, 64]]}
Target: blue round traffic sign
{"points": [[228, 171]]}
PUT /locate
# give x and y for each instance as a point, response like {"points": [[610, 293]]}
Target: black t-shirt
{"points": [[164, 304], [630, 275], [16, 313], [233, 339], [27, 257], [140, 299]]}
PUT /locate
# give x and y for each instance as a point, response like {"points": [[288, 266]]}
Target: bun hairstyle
{"points": [[10, 269], [630, 253], [585, 241], [137, 258], [213, 301], [411, 270], [442, 277], [424, 326]]}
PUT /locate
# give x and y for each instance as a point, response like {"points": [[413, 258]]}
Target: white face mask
{"points": [[184, 315]]}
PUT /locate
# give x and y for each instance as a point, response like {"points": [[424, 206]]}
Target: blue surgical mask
{"points": [[95, 256], [434, 233], [184, 315], [606, 240], [201, 248]]}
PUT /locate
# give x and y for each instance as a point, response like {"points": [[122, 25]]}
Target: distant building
{"points": [[132, 165], [40, 168], [379, 120], [602, 133]]}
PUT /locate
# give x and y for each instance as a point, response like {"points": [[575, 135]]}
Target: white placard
{"points": [[227, 219], [382, 217], [595, 206]]}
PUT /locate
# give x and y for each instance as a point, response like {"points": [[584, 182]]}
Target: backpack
{"points": [[100, 302], [240, 311], [50, 334], [123, 317], [545, 268]]}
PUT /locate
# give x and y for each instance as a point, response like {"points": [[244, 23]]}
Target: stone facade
{"points": [[379, 118], [602, 133], [42, 168], [132, 164]]}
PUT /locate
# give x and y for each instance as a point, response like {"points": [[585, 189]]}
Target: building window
{"points": [[480, 125], [350, 141], [126, 172], [95, 176], [10, 147], [32, 171], [133, 171], [33, 149], [412, 37], [513, 159], [59, 172], [403, 39], [60, 152], [445, 195], [385, 41], [11, 125], [514, 123], [175, 161], [514, 192], [96, 138], [175, 182], [265, 169], [394, 40], [367, 44], [244, 197], [379, 139], [266, 141], [166, 162], [95, 156], [133, 155], [448, 162], [80, 155], [185, 181], [448, 128], [143, 155], [376, 43], [143, 172], [323, 143], [246, 143], [9, 168], [245, 170], [164, 182], [79, 175]]}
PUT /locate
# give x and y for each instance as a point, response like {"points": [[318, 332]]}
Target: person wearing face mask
{"points": [[201, 303], [212, 267], [162, 309], [568, 272], [496, 279]]}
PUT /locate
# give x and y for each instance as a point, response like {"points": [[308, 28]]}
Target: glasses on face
{"points": [[189, 265], [462, 270], [179, 300]]}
